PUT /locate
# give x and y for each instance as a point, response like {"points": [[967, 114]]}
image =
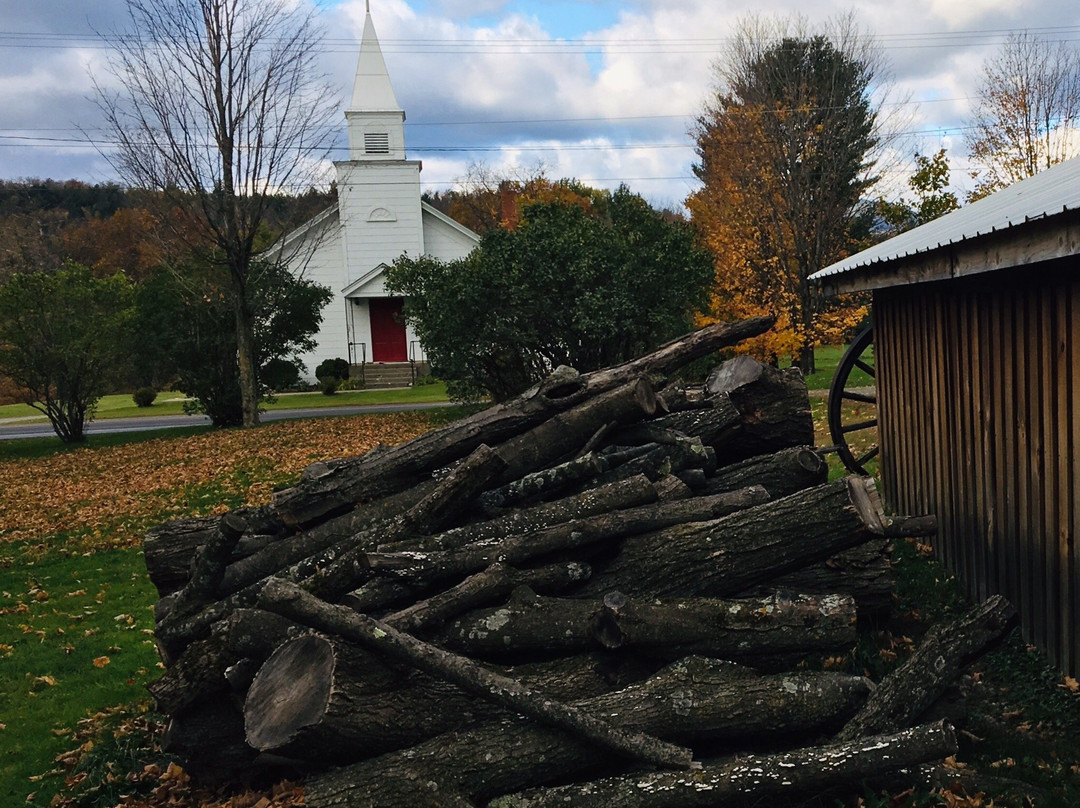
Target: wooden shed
{"points": [[977, 354]]}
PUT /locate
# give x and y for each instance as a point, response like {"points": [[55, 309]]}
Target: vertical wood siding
{"points": [[979, 412]]}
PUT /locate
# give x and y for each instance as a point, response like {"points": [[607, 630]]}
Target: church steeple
{"points": [[376, 121]]}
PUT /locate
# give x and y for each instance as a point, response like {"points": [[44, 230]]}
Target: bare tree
{"points": [[1026, 111], [220, 104]]}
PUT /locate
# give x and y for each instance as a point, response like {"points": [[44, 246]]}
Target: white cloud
{"points": [[608, 105]]}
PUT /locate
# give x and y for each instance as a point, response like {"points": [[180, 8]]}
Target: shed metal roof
{"points": [[1050, 193]]}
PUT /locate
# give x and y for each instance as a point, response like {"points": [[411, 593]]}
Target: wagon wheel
{"points": [[844, 427]]}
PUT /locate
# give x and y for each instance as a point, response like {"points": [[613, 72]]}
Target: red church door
{"points": [[387, 330]]}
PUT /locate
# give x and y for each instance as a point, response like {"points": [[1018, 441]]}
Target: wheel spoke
{"points": [[862, 461], [860, 425], [865, 368], [863, 397]]}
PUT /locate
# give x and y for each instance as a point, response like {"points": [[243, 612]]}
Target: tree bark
{"points": [[907, 692], [781, 473], [492, 584], [725, 556], [693, 699], [754, 779], [169, 548], [293, 549], [353, 481], [428, 569], [617, 496], [773, 405], [739, 630], [864, 572], [565, 432], [294, 602], [546, 481], [309, 701]]}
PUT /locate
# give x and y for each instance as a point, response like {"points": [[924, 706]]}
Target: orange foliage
{"points": [[742, 215], [127, 242]]}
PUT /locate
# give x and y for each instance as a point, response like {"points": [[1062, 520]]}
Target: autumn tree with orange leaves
{"points": [[785, 155]]}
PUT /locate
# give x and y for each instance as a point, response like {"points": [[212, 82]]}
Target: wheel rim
{"points": [[850, 430]]}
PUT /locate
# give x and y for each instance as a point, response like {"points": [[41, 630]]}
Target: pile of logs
{"points": [[602, 592]]}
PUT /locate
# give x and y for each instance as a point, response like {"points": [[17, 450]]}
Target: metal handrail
{"points": [[362, 353], [415, 349]]}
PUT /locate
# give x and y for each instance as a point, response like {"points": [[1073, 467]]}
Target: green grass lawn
{"points": [[172, 403], [76, 638]]}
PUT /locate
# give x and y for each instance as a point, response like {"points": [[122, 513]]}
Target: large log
{"points": [[725, 556], [634, 491], [907, 692], [864, 572], [773, 405], [349, 482], [566, 432], [356, 526], [488, 586], [426, 569], [740, 630], [781, 473], [310, 701], [754, 779], [177, 628], [693, 699], [291, 601], [169, 548]]}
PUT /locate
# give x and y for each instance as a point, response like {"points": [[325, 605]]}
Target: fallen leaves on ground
{"points": [[111, 495]]}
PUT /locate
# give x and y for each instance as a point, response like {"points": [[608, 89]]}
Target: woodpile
{"points": [[598, 593]]}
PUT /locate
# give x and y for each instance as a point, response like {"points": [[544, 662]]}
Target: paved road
{"points": [[41, 429]]}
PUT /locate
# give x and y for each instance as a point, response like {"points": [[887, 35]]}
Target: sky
{"points": [[605, 91]]}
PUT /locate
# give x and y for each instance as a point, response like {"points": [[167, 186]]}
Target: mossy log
{"points": [[780, 473], [311, 700], [752, 780], [693, 700], [740, 630], [724, 556], [907, 692]]}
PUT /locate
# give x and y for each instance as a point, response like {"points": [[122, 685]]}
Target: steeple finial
{"points": [[368, 6]]}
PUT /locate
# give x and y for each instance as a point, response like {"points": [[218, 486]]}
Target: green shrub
{"points": [[144, 396], [280, 374], [351, 384], [329, 385], [332, 368]]}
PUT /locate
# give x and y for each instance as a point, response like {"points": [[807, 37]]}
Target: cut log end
{"points": [[290, 692]]}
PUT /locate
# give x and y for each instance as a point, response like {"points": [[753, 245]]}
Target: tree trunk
{"points": [[728, 555], [566, 432], [907, 692], [169, 548], [781, 473], [492, 584], [293, 549], [773, 404], [754, 779], [245, 349], [293, 602], [629, 493], [356, 481], [693, 699], [864, 572], [739, 630], [428, 569], [309, 701]]}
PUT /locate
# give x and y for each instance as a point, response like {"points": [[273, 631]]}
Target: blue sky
{"points": [[604, 91]]}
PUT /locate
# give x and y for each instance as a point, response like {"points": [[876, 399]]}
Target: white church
{"points": [[379, 216]]}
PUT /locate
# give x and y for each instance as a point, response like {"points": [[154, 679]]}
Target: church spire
{"points": [[372, 90]]}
